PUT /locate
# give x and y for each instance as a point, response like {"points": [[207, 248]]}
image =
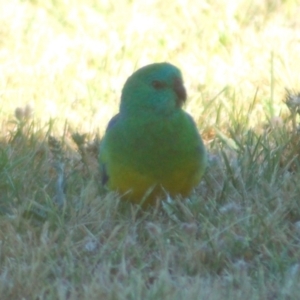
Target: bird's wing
{"points": [[102, 164], [112, 122]]}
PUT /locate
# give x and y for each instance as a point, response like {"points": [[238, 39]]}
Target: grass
{"points": [[63, 64]]}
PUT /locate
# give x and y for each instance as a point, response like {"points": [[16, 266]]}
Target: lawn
{"points": [[62, 68]]}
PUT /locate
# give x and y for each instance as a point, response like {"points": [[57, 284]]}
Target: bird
{"points": [[152, 148]]}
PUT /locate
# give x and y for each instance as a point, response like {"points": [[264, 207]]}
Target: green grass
{"points": [[63, 65]]}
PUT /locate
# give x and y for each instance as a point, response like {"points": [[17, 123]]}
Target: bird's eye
{"points": [[157, 84]]}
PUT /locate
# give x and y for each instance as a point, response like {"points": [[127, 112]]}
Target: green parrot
{"points": [[152, 146]]}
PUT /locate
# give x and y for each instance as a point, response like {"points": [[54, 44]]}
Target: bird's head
{"points": [[154, 88]]}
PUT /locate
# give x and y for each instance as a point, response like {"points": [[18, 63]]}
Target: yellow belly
{"points": [[142, 188]]}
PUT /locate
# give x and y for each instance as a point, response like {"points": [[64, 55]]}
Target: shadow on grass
{"points": [[38, 171], [243, 215]]}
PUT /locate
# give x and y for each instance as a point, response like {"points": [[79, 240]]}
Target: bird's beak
{"points": [[180, 91]]}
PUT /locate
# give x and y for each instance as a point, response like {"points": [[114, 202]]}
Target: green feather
{"points": [[152, 135]]}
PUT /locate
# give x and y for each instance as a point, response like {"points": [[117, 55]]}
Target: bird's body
{"points": [[152, 147]]}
